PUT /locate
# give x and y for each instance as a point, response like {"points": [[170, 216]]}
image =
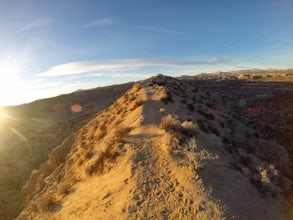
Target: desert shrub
{"points": [[137, 86], [170, 143], [230, 121], [167, 96], [118, 111], [161, 110], [210, 105], [257, 184], [210, 116], [47, 202], [131, 98], [109, 155], [245, 160], [189, 129], [170, 124], [247, 135], [137, 103], [207, 115], [225, 140], [200, 111], [194, 90], [64, 188], [214, 130], [190, 107], [101, 131], [202, 125], [222, 124], [120, 133], [80, 162], [88, 155], [256, 134]]}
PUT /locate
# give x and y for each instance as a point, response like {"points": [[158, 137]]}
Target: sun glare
{"points": [[9, 81]]}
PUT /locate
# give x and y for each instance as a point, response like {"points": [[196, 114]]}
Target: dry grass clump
{"points": [[166, 95], [88, 155], [170, 124], [189, 129], [225, 140], [214, 129], [190, 107], [173, 125], [136, 87], [137, 103], [48, 202], [64, 188], [206, 114], [169, 143], [161, 110], [101, 131], [202, 124], [120, 133], [108, 156]]}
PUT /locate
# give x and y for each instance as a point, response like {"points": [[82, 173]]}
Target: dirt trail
{"points": [[166, 189]]}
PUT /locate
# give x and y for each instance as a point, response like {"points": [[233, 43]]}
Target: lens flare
{"points": [[76, 108], [18, 134]]}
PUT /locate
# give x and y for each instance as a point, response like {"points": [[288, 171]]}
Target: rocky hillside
{"points": [[29, 132], [169, 149]]}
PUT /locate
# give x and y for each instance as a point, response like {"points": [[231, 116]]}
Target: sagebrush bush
{"points": [[101, 131], [215, 130], [189, 129], [137, 103], [120, 133], [109, 155], [47, 202], [136, 87], [203, 126], [190, 107], [64, 188], [170, 124], [225, 140], [207, 115], [88, 154], [166, 96]]}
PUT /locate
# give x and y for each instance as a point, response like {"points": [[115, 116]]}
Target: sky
{"points": [[54, 47]]}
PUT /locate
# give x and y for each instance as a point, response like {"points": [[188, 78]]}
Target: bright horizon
{"points": [[50, 48]]}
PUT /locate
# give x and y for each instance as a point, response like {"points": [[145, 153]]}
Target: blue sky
{"points": [[54, 47]]}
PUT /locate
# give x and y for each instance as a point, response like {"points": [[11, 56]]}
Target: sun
{"points": [[9, 82]]}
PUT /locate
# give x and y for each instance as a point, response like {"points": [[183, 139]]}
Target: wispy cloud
{"points": [[34, 24], [122, 74], [102, 22], [162, 30], [46, 85], [110, 65]]}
